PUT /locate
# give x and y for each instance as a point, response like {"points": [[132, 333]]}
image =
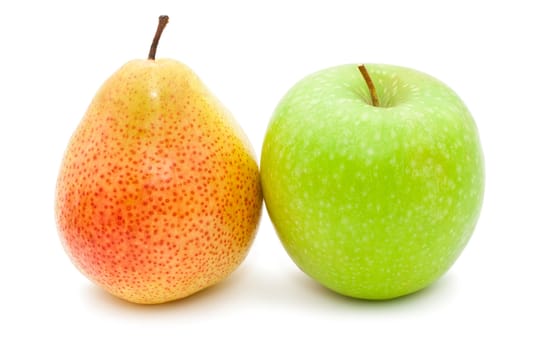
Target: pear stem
{"points": [[370, 84], [163, 20]]}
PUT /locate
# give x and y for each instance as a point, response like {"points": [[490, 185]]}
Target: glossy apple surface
{"points": [[373, 202]]}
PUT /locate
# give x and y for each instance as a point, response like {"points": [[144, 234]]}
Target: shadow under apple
{"points": [[436, 293]]}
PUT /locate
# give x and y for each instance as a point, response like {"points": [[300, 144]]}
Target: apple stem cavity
{"points": [[370, 84], [163, 20]]}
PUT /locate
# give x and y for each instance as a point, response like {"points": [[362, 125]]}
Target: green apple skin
{"points": [[373, 202]]}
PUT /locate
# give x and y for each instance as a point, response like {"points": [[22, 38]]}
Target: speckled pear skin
{"points": [[159, 192], [379, 203]]}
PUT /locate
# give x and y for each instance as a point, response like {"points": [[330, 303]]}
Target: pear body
{"points": [[158, 194]]}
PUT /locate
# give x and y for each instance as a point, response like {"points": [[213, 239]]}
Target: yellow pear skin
{"points": [[159, 193]]}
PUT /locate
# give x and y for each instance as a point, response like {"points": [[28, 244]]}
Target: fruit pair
{"points": [[159, 194]]}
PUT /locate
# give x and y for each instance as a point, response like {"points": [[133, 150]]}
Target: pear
{"points": [[158, 194]]}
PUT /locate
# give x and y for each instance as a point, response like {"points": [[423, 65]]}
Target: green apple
{"points": [[373, 202]]}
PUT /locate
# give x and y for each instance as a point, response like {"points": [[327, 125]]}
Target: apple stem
{"points": [[370, 84], [163, 20]]}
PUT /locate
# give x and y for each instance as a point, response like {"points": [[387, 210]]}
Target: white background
{"points": [[54, 56]]}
